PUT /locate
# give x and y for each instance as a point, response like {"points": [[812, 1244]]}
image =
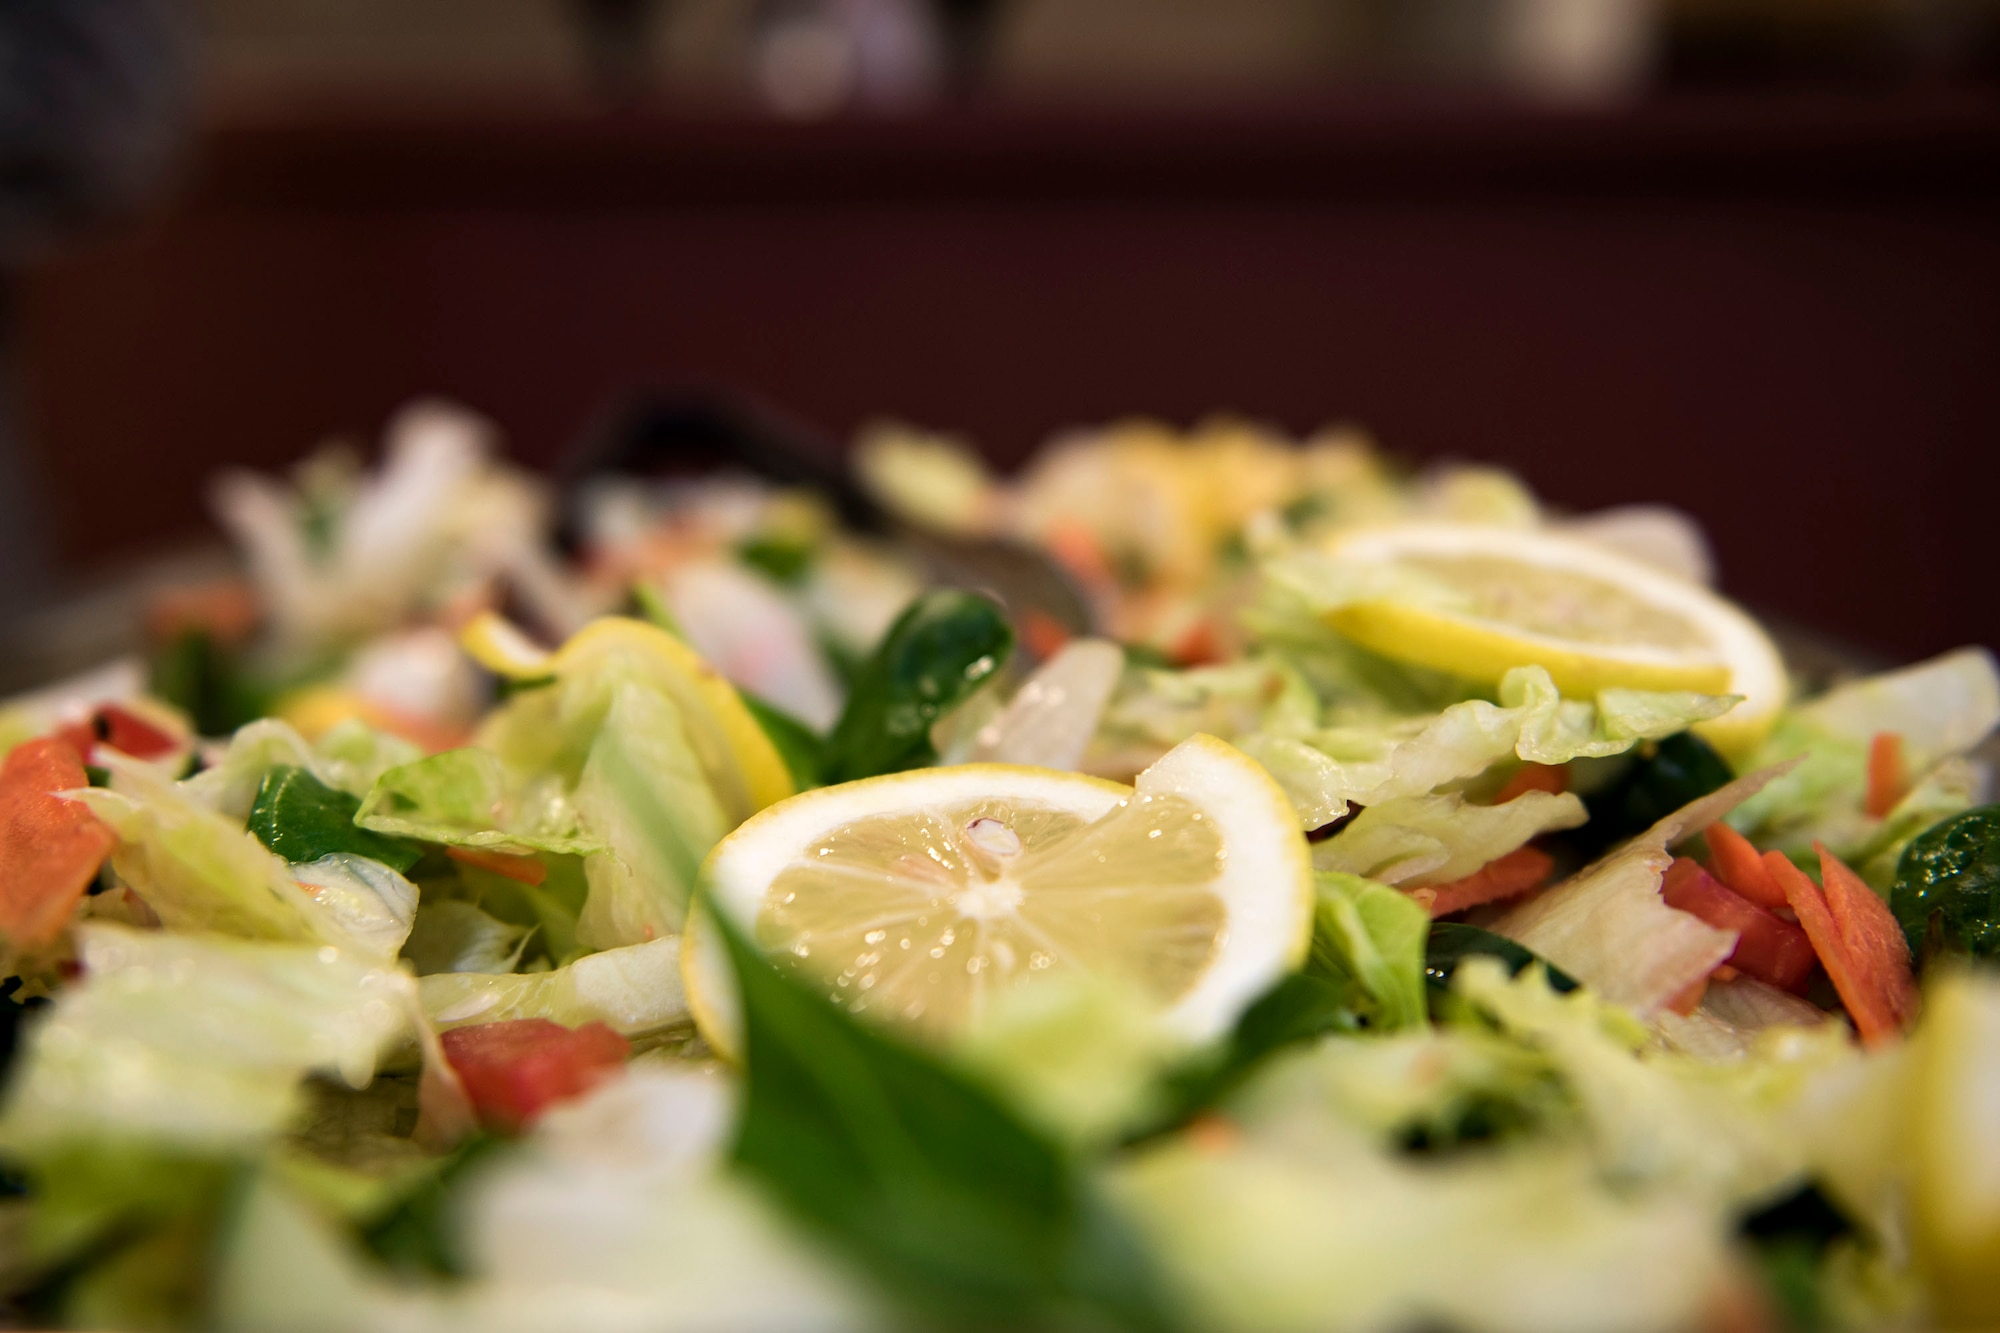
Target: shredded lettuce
{"points": [[1607, 926], [1418, 840], [1374, 935], [1324, 769], [195, 1040], [635, 989], [469, 798], [200, 871], [450, 935], [372, 903], [644, 797]]}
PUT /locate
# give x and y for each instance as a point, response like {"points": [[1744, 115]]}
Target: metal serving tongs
{"points": [[652, 434]]}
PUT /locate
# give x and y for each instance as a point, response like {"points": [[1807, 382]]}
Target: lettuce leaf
{"points": [[1607, 926], [636, 989], [199, 870], [469, 798], [644, 797], [449, 935], [372, 903], [1324, 769], [1374, 935], [196, 1041], [1418, 840], [349, 757]]}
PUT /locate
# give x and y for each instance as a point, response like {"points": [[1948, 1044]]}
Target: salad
{"points": [[1406, 907]]}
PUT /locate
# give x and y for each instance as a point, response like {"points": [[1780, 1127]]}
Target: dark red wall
{"points": [[1784, 317]]}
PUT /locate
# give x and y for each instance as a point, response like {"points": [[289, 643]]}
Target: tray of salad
{"points": [[1210, 880]]}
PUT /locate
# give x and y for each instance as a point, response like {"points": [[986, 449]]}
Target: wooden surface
{"points": [[1784, 316]]}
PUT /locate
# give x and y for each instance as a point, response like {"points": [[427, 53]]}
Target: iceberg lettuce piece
{"points": [[450, 935], [374, 904], [1324, 769], [469, 798], [1375, 935], [1418, 840], [645, 798], [349, 757], [636, 989], [198, 870], [197, 1041], [1607, 926], [1940, 708]]}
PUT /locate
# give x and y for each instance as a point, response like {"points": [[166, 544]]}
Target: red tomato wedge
{"points": [[121, 730], [1515, 873], [50, 849], [1551, 778], [1888, 774], [515, 1070], [1866, 1005], [1871, 933], [1740, 868], [1767, 948]]}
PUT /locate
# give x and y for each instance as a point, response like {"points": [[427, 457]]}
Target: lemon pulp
{"points": [[919, 915]]}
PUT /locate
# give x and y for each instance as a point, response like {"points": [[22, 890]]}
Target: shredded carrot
{"points": [[50, 848], [1866, 1004], [1201, 645], [521, 869], [1077, 549], [1736, 863], [1551, 778], [1888, 773], [1042, 633], [1506, 876], [224, 608], [1210, 1134], [1687, 999], [1871, 933]]}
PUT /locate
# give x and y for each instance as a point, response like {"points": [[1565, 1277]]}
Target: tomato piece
{"points": [[1871, 933], [1740, 868], [134, 735], [1767, 948], [50, 849], [1865, 1003], [1042, 633], [1515, 873], [515, 1070], [1551, 778]]}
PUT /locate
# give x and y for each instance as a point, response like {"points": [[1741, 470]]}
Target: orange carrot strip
{"points": [[1888, 773], [1515, 873], [50, 848], [1865, 1004], [1871, 933], [1736, 863], [1077, 549], [1201, 645], [1551, 778], [1042, 633], [1688, 998], [521, 869]]}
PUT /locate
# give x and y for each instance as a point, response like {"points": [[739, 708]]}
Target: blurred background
{"points": [[1742, 256]]}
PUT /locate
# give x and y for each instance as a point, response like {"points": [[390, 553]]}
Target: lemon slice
{"points": [[1478, 601], [918, 896], [744, 767]]}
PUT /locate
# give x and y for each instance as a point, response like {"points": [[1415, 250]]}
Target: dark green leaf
{"points": [[1947, 893], [197, 676], [943, 647], [419, 1234], [797, 744], [1452, 942], [1300, 1007], [302, 819], [919, 1175], [1661, 778], [786, 562]]}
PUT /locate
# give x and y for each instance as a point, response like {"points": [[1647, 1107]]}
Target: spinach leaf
{"points": [[1662, 777], [418, 1235], [954, 1204], [943, 647], [202, 679], [1300, 1007], [1452, 942], [784, 560], [302, 819]]}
